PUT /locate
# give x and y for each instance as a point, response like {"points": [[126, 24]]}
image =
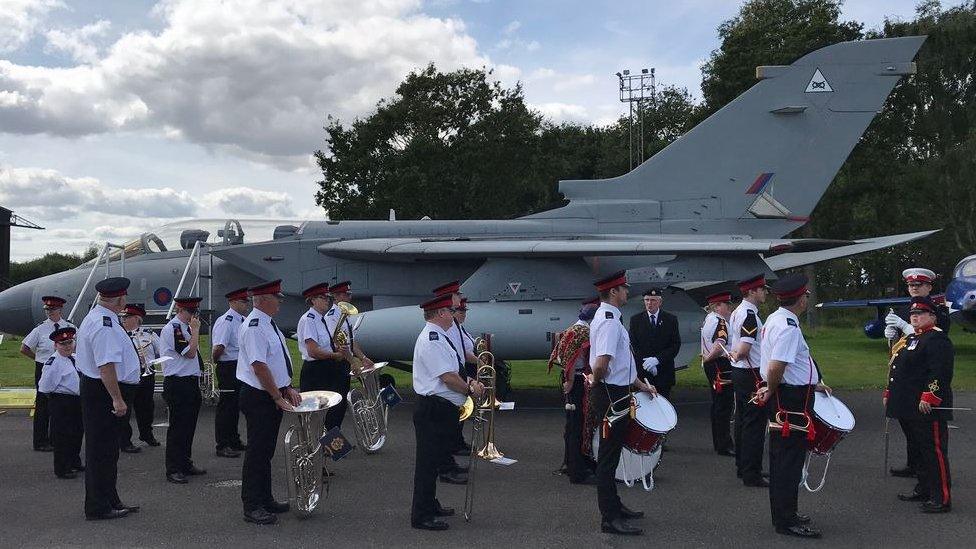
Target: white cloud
{"points": [[248, 201], [512, 27], [79, 43], [19, 20], [73, 234], [247, 75], [562, 112]]}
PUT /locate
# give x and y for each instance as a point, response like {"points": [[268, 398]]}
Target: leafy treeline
{"points": [[48, 264], [459, 145]]}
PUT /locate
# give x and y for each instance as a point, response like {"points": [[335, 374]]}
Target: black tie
{"points": [[56, 326], [284, 350], [653, 323]]}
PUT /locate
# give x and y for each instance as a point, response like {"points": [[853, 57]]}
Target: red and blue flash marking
{"points": [[759, 185]]}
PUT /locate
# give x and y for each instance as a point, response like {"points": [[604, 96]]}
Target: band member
{"points": [[572, 352], [745, 346], [180, 340], [614, 373], [148, 348], [315, 342], [919, 283], [718, 369], [791, 378], [656, 342], [337, 376], [450, 470], [105, 356], [264, 369], [440, 391], [918, 394], [60, 381], [224, 339], [38, 347]]}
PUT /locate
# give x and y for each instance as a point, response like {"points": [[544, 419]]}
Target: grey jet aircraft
{"points": [[712, 207]]}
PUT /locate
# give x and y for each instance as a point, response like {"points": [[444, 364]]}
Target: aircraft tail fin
{"points": [[766, 158]]}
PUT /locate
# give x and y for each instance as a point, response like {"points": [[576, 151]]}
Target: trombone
{"points": [[483, 428]]}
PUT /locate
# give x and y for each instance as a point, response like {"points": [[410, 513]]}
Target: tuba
{"points": [[368, 410], [483, 430], [339, 337], [208, 383], [304, 458]]}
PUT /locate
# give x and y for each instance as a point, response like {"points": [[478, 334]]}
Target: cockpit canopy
{"points": [[183, 235], [966, 267]]}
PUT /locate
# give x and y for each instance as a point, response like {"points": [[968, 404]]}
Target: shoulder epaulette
{"points": [[609, 314], [49, 361], [253, 322], [433, 336], [330, 313], [229, 317], [310, 315], [791, 322], [106, 321]]}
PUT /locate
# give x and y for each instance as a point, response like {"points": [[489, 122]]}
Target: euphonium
{"points": [[304, 459], [369, 411], [339, 337], [208, 383], [483, 435]]}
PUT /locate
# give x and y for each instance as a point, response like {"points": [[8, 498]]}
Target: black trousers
{"points": [[722, 405], [228, 406], [578, 465], [182, 395], [263, 419], [328, 375], [786, 456], [145, 406], [911, 447], [125, 426], [435, 421], [67, 430], [101, 448], [750, 427], [931, 438], [42, 417], [608, 456]]}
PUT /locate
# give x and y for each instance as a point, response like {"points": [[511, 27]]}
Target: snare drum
{"points": [[632, 467], [655, 419], [832, 421]]}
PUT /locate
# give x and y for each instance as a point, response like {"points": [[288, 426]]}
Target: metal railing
{"points": [[104, 254]]}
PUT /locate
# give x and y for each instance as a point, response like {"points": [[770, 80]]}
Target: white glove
{"points": [[898, 322], [891, 332], [650, 365]]}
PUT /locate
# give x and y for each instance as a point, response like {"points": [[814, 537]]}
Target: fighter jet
{"points": [[712, 207]]}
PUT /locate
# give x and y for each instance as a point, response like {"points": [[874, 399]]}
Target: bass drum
{"points": [[633, 467]]}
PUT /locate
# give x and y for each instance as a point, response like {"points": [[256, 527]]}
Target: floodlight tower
{"points": [[636, 88], [9, 219]]}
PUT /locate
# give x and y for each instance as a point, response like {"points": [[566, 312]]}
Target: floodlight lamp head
{"points": [[626, 72]]}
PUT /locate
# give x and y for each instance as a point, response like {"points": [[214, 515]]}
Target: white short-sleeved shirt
{"points": [[59, 376], [609, 337], [148, 341], [262, 342], [783, 341], [226, 331], [311, 326], [746, 326], [39, 339], [175, 343], [432, 357], [713, 329], [331, 318], [466, 340], [102, 340]]}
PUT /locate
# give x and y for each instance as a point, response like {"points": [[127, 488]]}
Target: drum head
{"points": [[655, 414], [830, 410], [632, 467]]}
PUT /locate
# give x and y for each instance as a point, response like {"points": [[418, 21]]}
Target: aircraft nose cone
{"points": [[16, 309], [961, 293]]}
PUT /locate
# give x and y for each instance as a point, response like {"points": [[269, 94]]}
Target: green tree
{"points": [[48, 264]]}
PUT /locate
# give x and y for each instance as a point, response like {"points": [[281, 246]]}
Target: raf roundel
{"points": [[162, 296]]}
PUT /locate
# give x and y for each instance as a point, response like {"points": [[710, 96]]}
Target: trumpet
{"points": [[340, 339], [483, 435]]}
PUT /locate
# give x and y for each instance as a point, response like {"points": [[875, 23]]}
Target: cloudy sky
{"points": [[117, 116]]}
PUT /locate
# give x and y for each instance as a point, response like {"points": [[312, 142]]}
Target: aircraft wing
{"points": [[798, 259], [410, 249], [864, 303]]}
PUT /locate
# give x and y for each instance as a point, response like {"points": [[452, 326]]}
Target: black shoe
{"points": [[728, 453], [443, 511], [904, 472], [260, 516], [933, 507], [454, 478], [431, 524], [68, 475], [240, 447], [128, 508], [801, 519], [630, 513], [563, 470], [228, 453], [44, 448], [799, 531], [589, 480], [130, 449], [618, 526], [113, 514], [914, 496], [176, 478], [461, 468], [761, 483], [193, 471], [277, 507], [764, 475], [150, 441]]}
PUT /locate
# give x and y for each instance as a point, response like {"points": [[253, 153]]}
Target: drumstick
{"points": [[956, 409], [887, 421]]}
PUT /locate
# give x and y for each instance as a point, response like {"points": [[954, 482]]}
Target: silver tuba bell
{"points": [[304, 458], [369, 411]]}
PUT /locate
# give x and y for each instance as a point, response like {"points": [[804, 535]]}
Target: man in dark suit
{"points": [[654, 334]]}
